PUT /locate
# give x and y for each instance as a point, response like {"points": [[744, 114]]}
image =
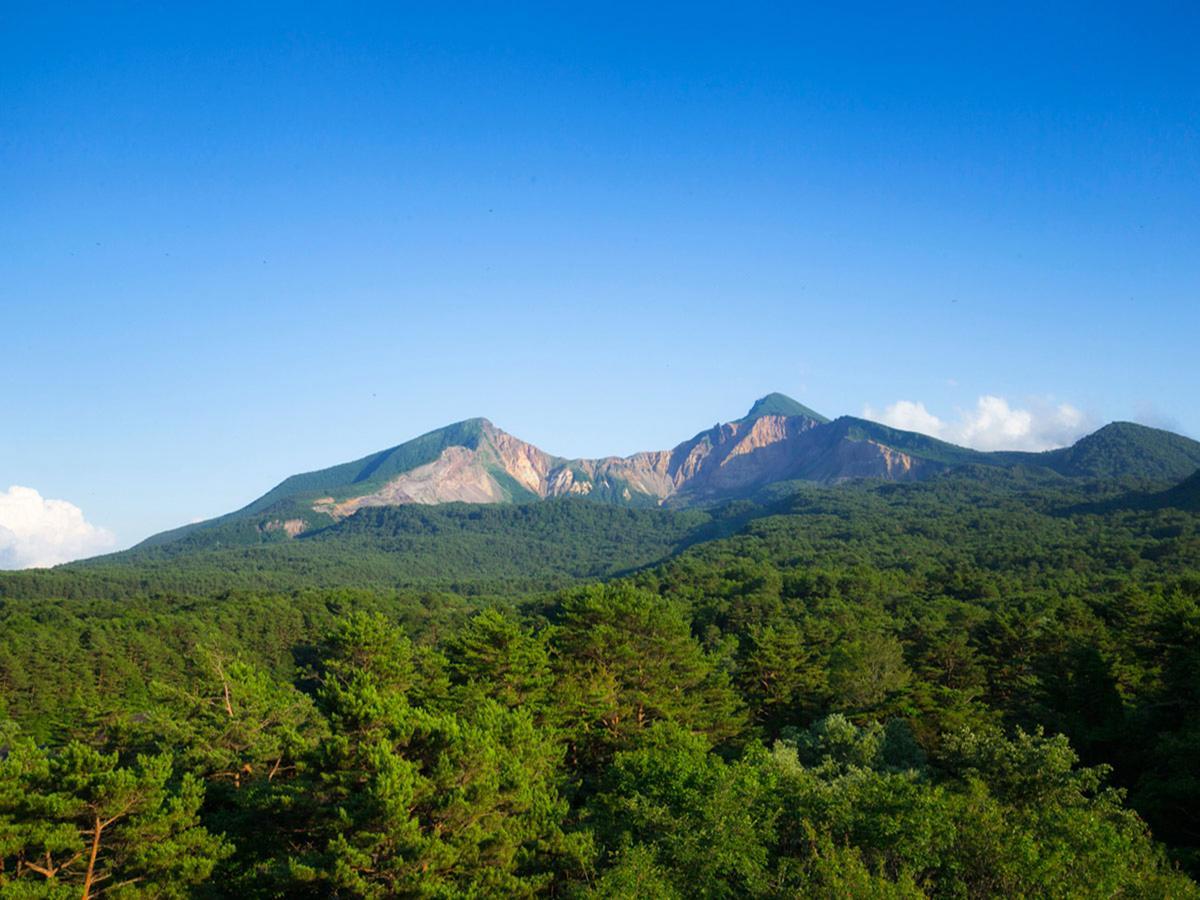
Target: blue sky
{"points": [[240, 244]]}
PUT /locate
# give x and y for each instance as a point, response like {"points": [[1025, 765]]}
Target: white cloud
{"points": [[909, 416], [994, 424], [36, 532]]}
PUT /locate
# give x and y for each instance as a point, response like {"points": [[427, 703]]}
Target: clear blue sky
{"points": [[236, 245]]}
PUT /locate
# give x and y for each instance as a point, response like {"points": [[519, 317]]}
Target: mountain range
{"points": [[778, 440]]}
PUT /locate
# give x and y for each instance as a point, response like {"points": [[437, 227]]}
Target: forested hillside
{"points": [[983, 685], [466, 548]]}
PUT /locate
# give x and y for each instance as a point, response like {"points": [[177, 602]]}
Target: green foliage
{"points": [[835, 743], [75, 822], [498, 656], [628, 660], [410, 800], [634, 874], [466, 549], [983, 685], [868, 675], [234, 724], [781, 405], [1185, 495], [974, 831], [1123, 449], [710, 823], [781, 674]]}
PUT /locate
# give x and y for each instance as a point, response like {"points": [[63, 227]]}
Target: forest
{"points": [[983, 685]]}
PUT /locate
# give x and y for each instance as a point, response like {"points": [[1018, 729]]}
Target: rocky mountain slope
{"points": [[777, 440]]}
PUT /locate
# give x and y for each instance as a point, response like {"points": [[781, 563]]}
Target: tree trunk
{"points": [[91, 866]]}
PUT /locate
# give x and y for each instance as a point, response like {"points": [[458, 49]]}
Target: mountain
{"points": [[1123, 449], [1186, 494], [1183, 496], [782, 405], [476, 462], [778, 440]]}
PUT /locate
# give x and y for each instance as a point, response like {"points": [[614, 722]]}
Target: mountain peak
{"points": [[777, 404], [1126, 448], [779, 440]]}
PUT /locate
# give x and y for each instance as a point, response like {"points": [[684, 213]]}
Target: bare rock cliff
{"points": [[724, 461]]}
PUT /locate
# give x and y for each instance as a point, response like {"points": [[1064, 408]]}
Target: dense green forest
{"points": [[468, 549], [987, 684]]}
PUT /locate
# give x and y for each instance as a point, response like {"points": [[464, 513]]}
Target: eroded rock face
{"points": [[528, 466], [727, 459], [456, 475], [291, 527], [743, 454]]}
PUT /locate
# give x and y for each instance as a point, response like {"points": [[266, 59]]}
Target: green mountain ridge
{"points": [[1122, 449], [778, 441], [777, 404]]}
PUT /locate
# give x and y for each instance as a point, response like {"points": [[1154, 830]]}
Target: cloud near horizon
{"points": [[36, 532], [994, 424]]}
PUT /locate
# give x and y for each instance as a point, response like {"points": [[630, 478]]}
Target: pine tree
{"points": [[77, 822]]}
